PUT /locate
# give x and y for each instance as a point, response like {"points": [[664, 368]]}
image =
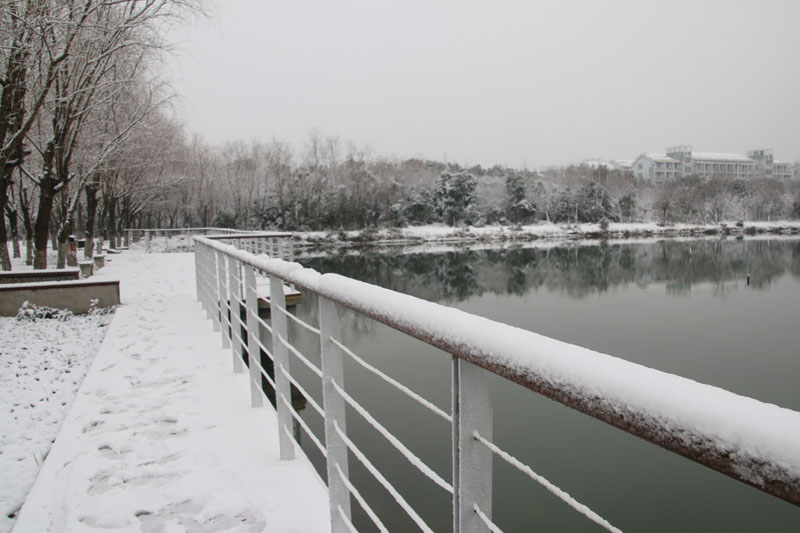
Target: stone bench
{"points": [[76, 296], [33, 276]]}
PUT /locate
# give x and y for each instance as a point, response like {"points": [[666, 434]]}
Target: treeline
{"points": [[85, 135], [330, 185]]}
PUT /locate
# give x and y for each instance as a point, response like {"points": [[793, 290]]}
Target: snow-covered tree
{"points": [[454, 194]]}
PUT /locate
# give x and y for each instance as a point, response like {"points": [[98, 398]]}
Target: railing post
{"points": [[472, 462], [234, 296], [213, 289], [277, 299], [207, 262], [222, 294], [147, 241], [253, 350], [198, 275], [333, 403]]}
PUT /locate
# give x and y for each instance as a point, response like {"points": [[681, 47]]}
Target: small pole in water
{"points": [[748, 280]]}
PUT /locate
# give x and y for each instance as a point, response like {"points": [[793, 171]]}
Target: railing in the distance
{"points": [[753, 442], [148, 234]]}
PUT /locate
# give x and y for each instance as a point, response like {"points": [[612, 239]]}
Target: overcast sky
{"points": [[519, 83]]}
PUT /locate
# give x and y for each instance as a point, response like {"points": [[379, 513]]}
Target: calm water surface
{"points": [[681, 307]]}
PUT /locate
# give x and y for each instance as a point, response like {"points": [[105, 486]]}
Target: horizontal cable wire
{"points": [[264, 348], [242, 344], [361, 501], [486, 520], [394, 441], [306, 325], [402, 388], [347, 521], [300, 356], [266, 376], [303, 391], [563, 496], [303, 425], [382, 480], [264, 324]]}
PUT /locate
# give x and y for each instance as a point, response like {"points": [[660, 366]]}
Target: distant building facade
{"points": [[682, 161]]}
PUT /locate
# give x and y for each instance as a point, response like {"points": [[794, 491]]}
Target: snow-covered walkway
{"points": [[161, 436]]}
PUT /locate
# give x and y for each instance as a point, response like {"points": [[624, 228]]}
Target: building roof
{"points": [[659, 157], [721, 156]]}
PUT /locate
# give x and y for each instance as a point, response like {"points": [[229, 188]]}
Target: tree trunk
{"points": [[42, 224], [27, 224], [112, 222], [66, 257], [13, 223], [90, 190], [5, 260]]}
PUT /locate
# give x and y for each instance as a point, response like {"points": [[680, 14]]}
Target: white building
{"points": [[682, 161], [656, 167]]}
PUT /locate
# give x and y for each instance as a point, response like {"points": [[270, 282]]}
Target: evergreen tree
{"points": [[593, 203], [518, 209], [455, 193]]}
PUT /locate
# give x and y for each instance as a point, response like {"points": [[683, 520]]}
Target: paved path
{"points": [[161, 436]]}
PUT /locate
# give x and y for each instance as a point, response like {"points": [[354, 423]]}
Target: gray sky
{"points": [[519, 83]]}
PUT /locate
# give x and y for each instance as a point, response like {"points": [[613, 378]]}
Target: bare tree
{"points": [[35, 39]]}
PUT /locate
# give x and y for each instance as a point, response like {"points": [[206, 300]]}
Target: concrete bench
{"points": [[33, 276], [76, 296]]}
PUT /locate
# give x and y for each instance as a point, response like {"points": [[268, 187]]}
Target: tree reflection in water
{"points": [[576, 270]]}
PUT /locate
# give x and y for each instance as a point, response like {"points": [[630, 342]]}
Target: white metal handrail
{"points": [[607, 388]]}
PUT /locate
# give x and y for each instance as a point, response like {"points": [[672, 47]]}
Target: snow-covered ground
{"points": [[161, 436], [42, 364]]}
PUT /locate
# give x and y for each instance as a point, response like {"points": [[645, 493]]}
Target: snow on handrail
{"points": [[264, 348], [394, 441], [559, 493], [302, 323], [303, 391], [264, 324], [300, 356], [399, 386], [751, 441], [266, 376], [360, 499], [303, 425], [486, 520], [382, 480], [346, 520]]}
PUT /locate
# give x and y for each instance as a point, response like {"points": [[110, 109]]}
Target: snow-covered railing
{"points": [[148, 234], [751, 441]]}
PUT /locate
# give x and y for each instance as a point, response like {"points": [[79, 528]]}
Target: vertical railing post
{"points": [[213, 289], [333, 403], [277, 302], [207, 262], [472, 462], [234, 296], [147, 241], [253, 349], [222, 295], [198, 275]]}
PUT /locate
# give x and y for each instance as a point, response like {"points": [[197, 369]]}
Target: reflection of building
{"points": [[682, 161]]}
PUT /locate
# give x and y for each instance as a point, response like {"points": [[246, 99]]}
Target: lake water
{"points": [[684, 307]]}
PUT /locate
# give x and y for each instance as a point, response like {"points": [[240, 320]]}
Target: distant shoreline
{"points": [[534, 232]]}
